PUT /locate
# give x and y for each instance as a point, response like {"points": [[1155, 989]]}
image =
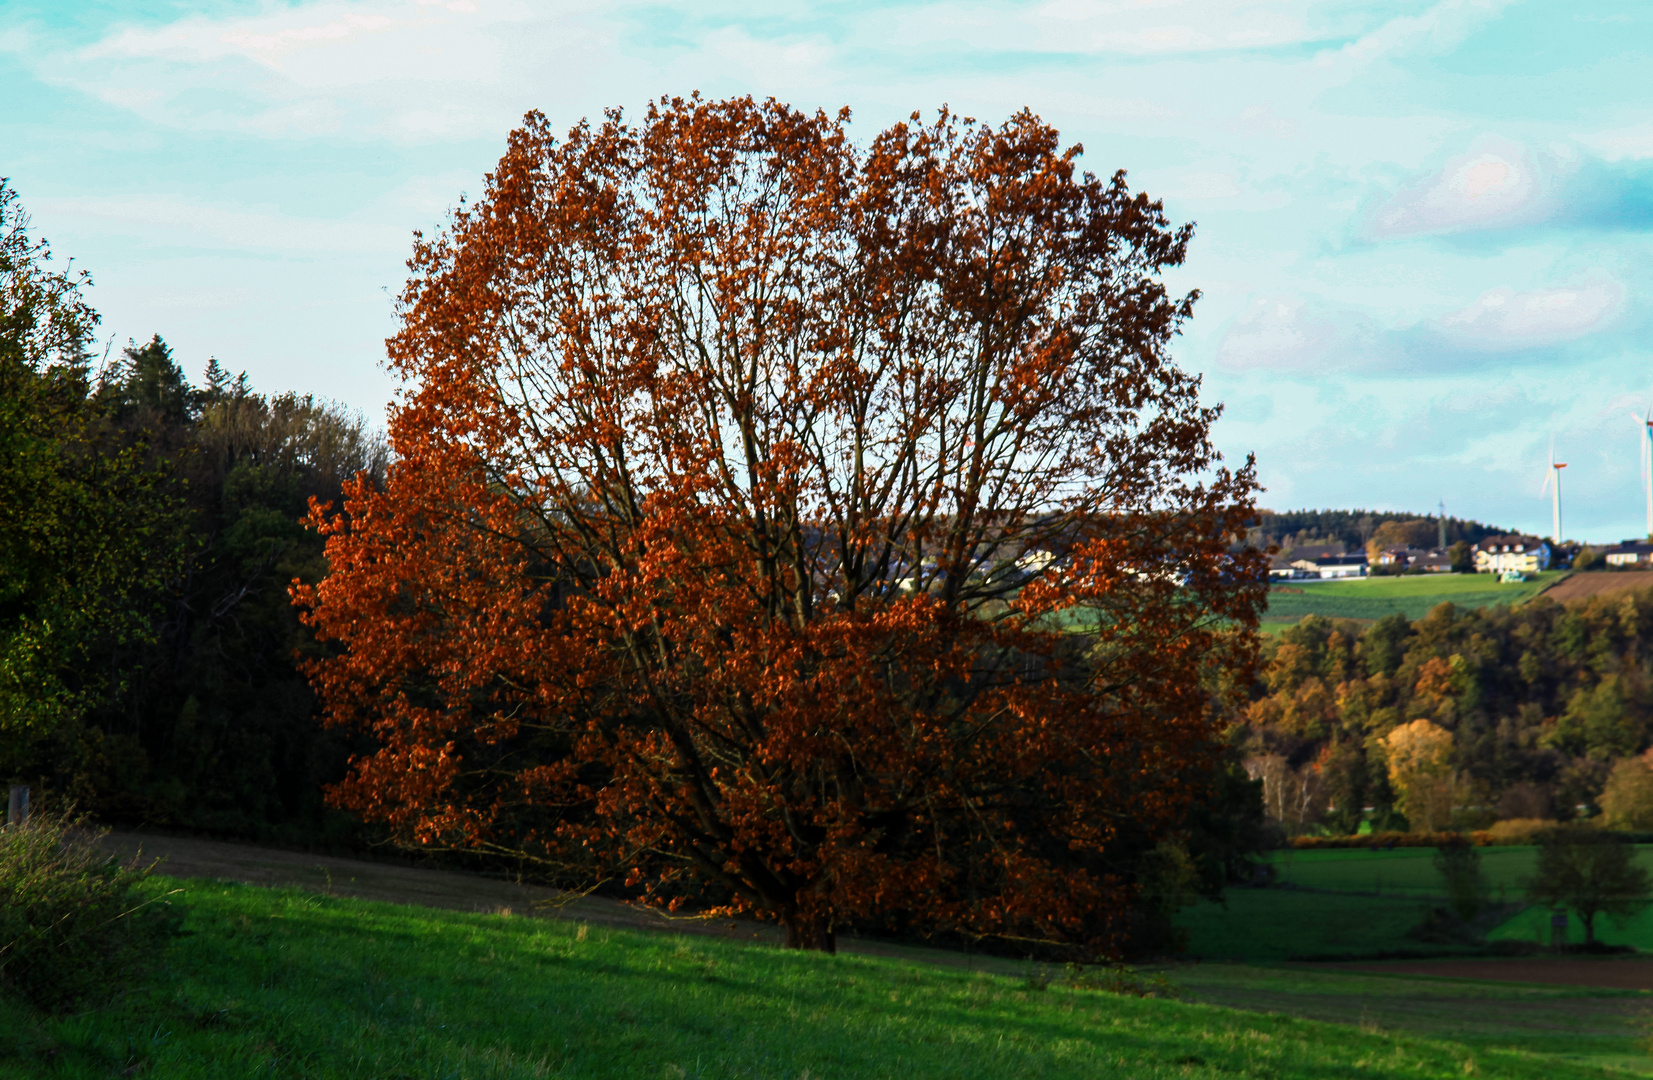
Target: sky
{"points": [[1422, 239]]}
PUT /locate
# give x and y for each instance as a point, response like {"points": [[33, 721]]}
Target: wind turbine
{"points": [[1645, 443], [1554, 476]]}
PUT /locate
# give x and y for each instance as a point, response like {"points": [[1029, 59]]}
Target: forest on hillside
{"points": [[1360, 528], [1542, 706]]}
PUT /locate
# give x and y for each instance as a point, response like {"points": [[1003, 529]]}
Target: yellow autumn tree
{"points": [[1420, 771], [1628, 801]]}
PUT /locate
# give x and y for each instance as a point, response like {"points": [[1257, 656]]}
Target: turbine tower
{"points": [[1440, 519], [1552, 482], [1644, 440]]}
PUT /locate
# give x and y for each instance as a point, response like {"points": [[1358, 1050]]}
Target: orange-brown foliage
{"points": [[745, 485]]}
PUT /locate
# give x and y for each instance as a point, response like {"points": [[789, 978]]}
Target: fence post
{"points": [[1558, 930], [17, 805]]}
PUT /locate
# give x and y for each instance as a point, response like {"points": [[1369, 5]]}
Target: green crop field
{"points": [[283, 983], [1413, 596]]}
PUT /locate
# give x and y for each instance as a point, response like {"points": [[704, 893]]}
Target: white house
{"points": [[1631, 553], [1523, 554]]}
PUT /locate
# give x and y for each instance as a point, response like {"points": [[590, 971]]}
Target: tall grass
{"points": [[76, 925]]}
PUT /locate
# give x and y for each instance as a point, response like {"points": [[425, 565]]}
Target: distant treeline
{"points": [[149, 531], [1294, 528]]}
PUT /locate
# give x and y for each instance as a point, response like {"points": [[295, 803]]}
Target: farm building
{"points": [[1434, 560], [1285, 564]]}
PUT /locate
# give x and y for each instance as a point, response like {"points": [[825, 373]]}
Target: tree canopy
{"points": [[1590, 871], [796, 527], [148, 533]]}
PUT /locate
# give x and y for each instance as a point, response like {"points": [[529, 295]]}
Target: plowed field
{"points": [[1579, 586]]}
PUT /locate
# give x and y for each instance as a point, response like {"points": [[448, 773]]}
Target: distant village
{"points": [[1511, 557]]}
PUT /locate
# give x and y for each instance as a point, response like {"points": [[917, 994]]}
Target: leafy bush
{"points": [[1519, 830], [75, 923]]}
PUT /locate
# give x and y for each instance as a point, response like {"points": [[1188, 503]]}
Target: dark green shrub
{"points": [[76, 925], [1459, 864]]}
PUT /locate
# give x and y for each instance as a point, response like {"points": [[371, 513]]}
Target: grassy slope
{"points": [[280, 983], [1373, 598]]}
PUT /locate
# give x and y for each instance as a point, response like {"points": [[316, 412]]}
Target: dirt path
{"points": [[1609, 973], [187, 857]]}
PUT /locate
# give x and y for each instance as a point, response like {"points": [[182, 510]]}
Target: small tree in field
{"points": [[1590, 871], [799, 528], [1459, 865]]}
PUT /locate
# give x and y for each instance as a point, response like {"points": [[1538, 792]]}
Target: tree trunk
{"points": [[1589, 920], [811, 936]]}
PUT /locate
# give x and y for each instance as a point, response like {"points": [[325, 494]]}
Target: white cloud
{"points": [[409, 71], [419, 71], [1288, 333], [1170, 26], [168, 222], [1502, 318], [1496, 183], [1436, 30], [1634, 142]]}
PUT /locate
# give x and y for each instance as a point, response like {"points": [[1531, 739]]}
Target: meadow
{"points": [[270, 982], [1412, 596], [1355, 902]]}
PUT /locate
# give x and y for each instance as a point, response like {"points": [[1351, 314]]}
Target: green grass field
{"points": [[1406, 871], [282, 983], [1413, 596], [1356, 902], [1265, 925]]}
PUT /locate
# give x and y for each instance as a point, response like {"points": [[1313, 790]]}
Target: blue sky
{"points": [[1424, 228]]}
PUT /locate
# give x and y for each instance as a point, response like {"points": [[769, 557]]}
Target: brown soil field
{"points": [[1579, 586], [1611, 973]]}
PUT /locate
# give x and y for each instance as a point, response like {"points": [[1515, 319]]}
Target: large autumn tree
{"points": [[799, 527]]}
